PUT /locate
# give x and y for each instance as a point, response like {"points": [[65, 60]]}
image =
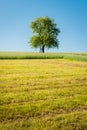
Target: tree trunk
{"points": [[42, 48]]}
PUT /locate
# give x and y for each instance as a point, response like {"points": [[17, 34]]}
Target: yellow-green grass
{"points": [[48, 94], [28, 55]]}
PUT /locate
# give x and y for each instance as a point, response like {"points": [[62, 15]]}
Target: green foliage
{"points": [[45, 33]]}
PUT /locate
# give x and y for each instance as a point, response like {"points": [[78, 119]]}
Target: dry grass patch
{"points": [[43, 95]]}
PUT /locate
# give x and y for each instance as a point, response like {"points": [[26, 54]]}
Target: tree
{"points": [[45, 33]]}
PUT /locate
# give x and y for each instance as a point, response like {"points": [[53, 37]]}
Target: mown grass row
{"points": [[27, 55], [43, 94]]}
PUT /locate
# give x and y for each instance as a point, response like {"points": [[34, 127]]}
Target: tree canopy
{"points": [[45, 33]]}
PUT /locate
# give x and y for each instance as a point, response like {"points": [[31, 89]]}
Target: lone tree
{"points": [[45, 33]]}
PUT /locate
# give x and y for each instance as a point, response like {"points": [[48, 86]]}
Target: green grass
{"points": [[28, 55], [48, 94]]}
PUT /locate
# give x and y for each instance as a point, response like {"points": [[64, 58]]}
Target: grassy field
{"points": [[28, 55], [39, 94]]}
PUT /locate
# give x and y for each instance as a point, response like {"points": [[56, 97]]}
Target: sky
{"points": [[69, 15]]}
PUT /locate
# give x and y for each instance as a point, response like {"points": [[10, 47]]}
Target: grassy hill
{"points": [[49, 94], [28, 55]]}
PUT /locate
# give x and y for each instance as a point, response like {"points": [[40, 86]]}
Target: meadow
{"points": [[43, 94], [32, 55]]}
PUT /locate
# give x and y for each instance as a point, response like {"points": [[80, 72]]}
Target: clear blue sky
{"points": [[16, 16]]}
